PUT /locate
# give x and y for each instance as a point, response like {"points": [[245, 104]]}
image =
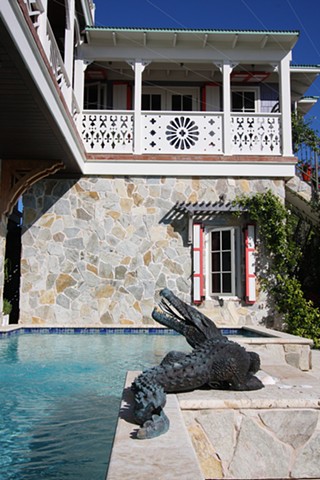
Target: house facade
{"points": [[141, 139]]}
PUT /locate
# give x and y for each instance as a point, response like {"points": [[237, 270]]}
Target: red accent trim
{"points": [[248, 250], [249, 77], [200, 273]]}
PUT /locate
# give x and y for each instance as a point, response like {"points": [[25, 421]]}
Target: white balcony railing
{"points": [[256, 134], [107, 132], [181, 133]]}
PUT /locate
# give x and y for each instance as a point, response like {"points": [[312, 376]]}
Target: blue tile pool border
{"points": [[101, 331]]}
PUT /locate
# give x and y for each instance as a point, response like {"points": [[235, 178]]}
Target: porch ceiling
{"points": [[28, 129], [117, 36]]}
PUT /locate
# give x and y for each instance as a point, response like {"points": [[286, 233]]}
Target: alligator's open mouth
{"points": [[185, 319]]}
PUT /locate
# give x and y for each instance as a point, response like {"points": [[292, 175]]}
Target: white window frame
{"points": [[236, 252], [101, 87], [167, 92], [255, 90]]}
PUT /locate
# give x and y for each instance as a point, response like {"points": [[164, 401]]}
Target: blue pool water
{"points": [[59, 400]]}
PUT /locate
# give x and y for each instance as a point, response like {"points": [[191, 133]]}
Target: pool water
{"points": [[59, 400]]}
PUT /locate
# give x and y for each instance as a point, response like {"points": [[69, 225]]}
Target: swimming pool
{"points": [[59, 397]]}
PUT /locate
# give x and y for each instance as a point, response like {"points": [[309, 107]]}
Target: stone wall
{"points": [[96, 251], [256, 443]]}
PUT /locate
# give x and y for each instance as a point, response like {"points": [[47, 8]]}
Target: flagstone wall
{"points": [[96, 251]]}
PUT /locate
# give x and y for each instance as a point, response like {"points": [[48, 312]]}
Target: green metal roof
{"points": [[187, 30]]}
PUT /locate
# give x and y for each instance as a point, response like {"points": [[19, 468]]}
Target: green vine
{"points": [[303, 133], [278, 276]]}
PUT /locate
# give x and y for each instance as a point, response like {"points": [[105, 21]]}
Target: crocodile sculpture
{"points": [[215, 362]]}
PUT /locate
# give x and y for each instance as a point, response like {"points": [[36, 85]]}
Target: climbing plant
{"points": [[303, 133], [278, 277]]}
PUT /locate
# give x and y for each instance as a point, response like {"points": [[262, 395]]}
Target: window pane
{"points": [[226, 283], [215, 262], [176, 103], [248, 101], [226, 240], [237, 101], [145, 102], [215, 241], [187, 102], [156, 102], [216, 288], [226, 262]]}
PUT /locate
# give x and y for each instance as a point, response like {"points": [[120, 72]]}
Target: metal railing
{"points": [[308, 167]]}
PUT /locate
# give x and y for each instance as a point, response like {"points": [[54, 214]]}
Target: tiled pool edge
{"points": [[283, 347]]}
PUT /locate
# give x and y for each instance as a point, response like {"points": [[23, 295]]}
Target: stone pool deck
{"points": [[273, 433]]}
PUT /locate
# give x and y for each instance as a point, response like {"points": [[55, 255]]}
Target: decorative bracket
{"points": [[18, 175]]}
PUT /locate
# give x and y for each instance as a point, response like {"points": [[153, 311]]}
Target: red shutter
{"points": [[197, 257], [250, 264]]}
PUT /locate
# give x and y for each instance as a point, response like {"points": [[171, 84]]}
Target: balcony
{"points": [[163, 132]]}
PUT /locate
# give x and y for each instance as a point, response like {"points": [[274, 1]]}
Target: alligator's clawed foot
{"points": [[158, 425]]}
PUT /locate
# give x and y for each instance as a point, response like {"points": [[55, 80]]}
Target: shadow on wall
{"points": [[42, 196]]}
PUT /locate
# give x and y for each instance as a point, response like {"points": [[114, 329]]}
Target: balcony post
{"points": [[42, 29], [285, 104], [226, 68], [138, 67], [69, 46]]}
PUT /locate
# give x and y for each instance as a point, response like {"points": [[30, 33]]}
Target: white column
{"points": [[42, 29], [226, 68], [79, 69], [138, 66], [69, 46], [285, 104]]}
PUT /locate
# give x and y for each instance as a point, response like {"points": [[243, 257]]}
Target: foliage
{"points": [[278, 278], [303, 133], [7, 307]]}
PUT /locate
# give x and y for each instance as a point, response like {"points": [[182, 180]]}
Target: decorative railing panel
{"points": [[107, 132], [256, 134], [35, 8], [181, 132]]}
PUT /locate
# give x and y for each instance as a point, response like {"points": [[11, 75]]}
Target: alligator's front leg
{"points": [[150, 399]]}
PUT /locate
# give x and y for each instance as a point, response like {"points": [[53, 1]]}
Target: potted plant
{"points": [[6, 310]]}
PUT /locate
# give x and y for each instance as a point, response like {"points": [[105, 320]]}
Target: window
{"points": [[181, 103], [244, 99], [95, 96], [151, 101], [176, 99], [222, 262]]}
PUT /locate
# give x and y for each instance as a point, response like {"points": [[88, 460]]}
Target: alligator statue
{"points": [[215, 362]]}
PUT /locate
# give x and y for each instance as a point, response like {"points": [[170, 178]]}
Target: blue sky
{"points": [[302, 15]]}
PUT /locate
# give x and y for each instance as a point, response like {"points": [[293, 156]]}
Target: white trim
{"points": [[234, 261], [154, 167]]}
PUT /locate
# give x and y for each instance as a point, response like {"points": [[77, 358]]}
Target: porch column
{"points": [[80, 67], [226, 68], [42, 29], [285, 104], [69, 46], [138, 66]]}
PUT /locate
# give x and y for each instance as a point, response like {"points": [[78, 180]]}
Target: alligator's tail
{"points": [[150, 399]]}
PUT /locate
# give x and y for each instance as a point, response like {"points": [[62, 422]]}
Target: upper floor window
{"points": [[176, 99], [244, 99], [95, 96]]}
